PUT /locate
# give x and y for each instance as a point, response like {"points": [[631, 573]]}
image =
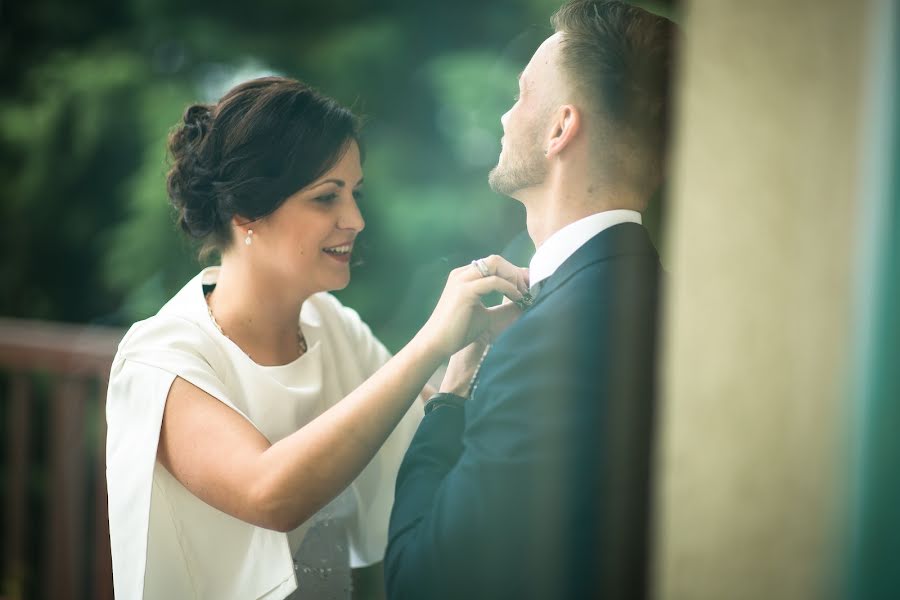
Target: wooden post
{"points": [[74, 356], [65, 503], [17, 499]]}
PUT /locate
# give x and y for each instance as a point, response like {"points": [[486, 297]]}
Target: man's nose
{"points": [[504, 119]]}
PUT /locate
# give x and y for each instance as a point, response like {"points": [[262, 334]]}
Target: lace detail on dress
{"points": [[322, 562]]}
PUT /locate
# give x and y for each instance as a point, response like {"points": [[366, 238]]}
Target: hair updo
{"points": [[245, 155]]}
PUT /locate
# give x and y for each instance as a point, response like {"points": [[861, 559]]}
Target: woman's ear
{"points": [[243, 229]]}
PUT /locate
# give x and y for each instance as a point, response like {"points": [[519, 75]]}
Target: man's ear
{"points": [[566, 125]]}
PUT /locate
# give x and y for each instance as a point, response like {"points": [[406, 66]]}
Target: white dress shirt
{"points": [[557, 248], [166, 542]]}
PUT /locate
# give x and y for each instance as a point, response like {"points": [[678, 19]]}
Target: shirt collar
{"points": [[565, 242]]}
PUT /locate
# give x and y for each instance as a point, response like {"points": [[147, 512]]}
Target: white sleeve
{"points": [[371, 353], [369, 350], [134, 409], [179, 347], [149, 359]]}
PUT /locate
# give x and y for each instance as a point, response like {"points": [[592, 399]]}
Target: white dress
{"points": [[166, 542]]}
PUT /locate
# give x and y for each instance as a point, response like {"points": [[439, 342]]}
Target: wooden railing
{"points": [[56, 539]]}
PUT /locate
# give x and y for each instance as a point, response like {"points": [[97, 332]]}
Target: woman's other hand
{"points": [[461, 370]]}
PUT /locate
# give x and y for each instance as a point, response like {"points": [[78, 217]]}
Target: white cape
{"points": [[167, 543]]}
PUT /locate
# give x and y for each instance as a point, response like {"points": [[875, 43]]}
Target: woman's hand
{"points": [[461, 370], [464, 364], [460, 318]]}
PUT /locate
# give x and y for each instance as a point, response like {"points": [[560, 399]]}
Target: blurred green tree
{"points": [[93, 91], [88, 232]]}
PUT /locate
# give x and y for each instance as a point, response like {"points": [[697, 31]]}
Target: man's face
{"points": [[522, 161]]}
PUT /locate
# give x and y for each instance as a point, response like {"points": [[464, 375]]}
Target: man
{"points": [[537, 485]]}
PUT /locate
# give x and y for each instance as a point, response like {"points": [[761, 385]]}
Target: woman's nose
{"points": [[351, 218]]}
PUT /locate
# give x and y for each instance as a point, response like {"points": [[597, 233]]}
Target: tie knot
{"points": [[530, 296]]}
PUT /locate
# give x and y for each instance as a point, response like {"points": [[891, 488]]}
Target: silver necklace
{"points": [[301, 341]]}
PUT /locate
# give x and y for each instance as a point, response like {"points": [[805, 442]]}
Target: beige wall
{"points": [[761, 253]]}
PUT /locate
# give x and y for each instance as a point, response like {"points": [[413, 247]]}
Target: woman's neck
{"points": [[256, 312]]}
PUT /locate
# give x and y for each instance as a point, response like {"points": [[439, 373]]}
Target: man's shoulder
{"points": [[597, 290], [581, 316], [599, 273]]}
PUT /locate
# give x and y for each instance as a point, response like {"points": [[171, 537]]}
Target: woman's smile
{"points": [[340, 253]]}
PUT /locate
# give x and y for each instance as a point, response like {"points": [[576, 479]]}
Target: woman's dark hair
{"points": [[245, 155]]}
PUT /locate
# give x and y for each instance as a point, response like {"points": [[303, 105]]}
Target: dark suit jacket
{"points": [[539, 487]]}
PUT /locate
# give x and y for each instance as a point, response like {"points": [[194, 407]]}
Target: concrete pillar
{"points": [[758, 328]]}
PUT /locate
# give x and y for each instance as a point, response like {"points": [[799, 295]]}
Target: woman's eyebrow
{"points": [[338, 182]]}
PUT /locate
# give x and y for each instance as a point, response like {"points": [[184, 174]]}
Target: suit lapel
{"points": [[618, 240]]}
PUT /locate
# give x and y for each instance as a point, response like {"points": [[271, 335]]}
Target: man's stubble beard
{"points": [[521, 170]]}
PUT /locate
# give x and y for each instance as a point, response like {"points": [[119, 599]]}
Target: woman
{"points": [[255, 425]]}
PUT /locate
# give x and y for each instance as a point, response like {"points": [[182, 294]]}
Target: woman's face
{"points": [[307, 243]]}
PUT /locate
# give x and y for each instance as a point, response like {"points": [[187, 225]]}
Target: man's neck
{"points": [[551, 208]]}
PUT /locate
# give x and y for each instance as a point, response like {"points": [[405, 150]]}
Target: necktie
{"points": [[525, 303], [530, 296]]}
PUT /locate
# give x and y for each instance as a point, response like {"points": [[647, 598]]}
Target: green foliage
{"points": [[66, 141], [146, 259]]}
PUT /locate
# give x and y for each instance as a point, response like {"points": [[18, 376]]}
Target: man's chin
{"points": [[497, 182], [502, 185]]}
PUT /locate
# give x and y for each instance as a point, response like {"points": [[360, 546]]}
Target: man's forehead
{"points": [[542, 60]]}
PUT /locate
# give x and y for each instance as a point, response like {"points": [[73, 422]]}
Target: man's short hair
{"points": [[619, 60]]}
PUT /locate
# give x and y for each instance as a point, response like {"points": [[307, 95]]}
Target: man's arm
{"points": [[470, 505], [433, 452]]}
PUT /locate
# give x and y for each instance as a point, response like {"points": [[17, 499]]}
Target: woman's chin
{"points": [[339, 283]]}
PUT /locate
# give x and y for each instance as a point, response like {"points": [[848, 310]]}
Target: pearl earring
{"points": [[249, 239]]}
